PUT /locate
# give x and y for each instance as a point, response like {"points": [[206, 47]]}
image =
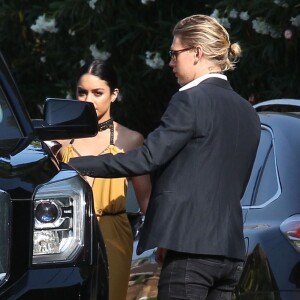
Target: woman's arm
{"points": [[142, 189], [141, 184]]}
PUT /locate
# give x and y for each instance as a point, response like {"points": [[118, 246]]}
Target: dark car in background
{"points": [[271, 207], [271, 211], [51, 246]]}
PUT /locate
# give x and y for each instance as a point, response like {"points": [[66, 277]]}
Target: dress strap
{"points": [[112, 134]]}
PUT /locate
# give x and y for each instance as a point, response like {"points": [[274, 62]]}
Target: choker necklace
{"points": [[106, 124]]}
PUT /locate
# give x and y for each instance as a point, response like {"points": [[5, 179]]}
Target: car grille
{"points": [[5, 212]]}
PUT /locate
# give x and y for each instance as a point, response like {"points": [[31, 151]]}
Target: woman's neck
{"points": [[106, 124]]}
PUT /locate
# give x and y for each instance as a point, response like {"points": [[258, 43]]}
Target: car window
{"points": [[263, 185], [132, 205], [268, 186], [8, 123]]}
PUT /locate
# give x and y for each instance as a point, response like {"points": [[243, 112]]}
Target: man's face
{"points": [[182, 62]]}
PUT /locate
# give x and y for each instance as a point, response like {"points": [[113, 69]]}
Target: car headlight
{"points": [[59, 215]]}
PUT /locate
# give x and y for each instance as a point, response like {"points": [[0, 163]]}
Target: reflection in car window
{"points": [[263, 184], [8, 124]]}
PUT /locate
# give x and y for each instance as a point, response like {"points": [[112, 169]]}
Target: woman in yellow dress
{"points": [[97, 83]]}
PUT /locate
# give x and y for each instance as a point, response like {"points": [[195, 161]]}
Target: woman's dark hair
{"points": [[102, 69]]}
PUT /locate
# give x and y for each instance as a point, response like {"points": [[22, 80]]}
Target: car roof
{"points": [[278, 112], [283, 117], [279, 105]]}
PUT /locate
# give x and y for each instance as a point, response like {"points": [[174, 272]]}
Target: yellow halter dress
{"points": [[110, 205]]}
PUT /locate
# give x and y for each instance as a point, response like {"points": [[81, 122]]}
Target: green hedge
{"points": [[46, 41]]}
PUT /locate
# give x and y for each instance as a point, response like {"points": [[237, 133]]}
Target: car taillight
{"points": [[59, 214], [291, 230]]}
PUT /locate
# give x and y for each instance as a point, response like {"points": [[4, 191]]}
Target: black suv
{"points": [[51, 246]]}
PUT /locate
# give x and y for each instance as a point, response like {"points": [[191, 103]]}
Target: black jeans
{"points": [[191, 276]]}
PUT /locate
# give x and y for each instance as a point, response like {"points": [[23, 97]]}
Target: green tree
{"points": [[268, 32], [46, 42]]}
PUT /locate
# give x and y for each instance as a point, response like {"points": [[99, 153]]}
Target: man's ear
{"points": [[199, 51], [198, 54]]}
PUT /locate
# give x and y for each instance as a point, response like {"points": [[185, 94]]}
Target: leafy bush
{"points": [[46, 42]]}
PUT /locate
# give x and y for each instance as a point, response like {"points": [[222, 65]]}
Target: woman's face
{"points": [[93, 89]]}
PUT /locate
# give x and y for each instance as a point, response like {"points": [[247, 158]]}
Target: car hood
{"points": [[28, 167]]}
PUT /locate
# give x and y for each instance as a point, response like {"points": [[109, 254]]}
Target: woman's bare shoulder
{"points": [[128, 139]]}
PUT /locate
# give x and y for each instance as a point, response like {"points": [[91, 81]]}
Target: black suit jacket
{"points": [[201, 157]]}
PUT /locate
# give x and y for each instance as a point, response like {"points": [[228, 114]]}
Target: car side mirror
{"points": [[66, 119]]}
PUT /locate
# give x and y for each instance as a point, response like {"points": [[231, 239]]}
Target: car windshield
{"points": [[8, 124]]}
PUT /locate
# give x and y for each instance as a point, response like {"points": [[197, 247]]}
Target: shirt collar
{"points": [[196, 81]]}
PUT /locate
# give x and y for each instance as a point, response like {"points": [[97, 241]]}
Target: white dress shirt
{"points": [[201, 78]]}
